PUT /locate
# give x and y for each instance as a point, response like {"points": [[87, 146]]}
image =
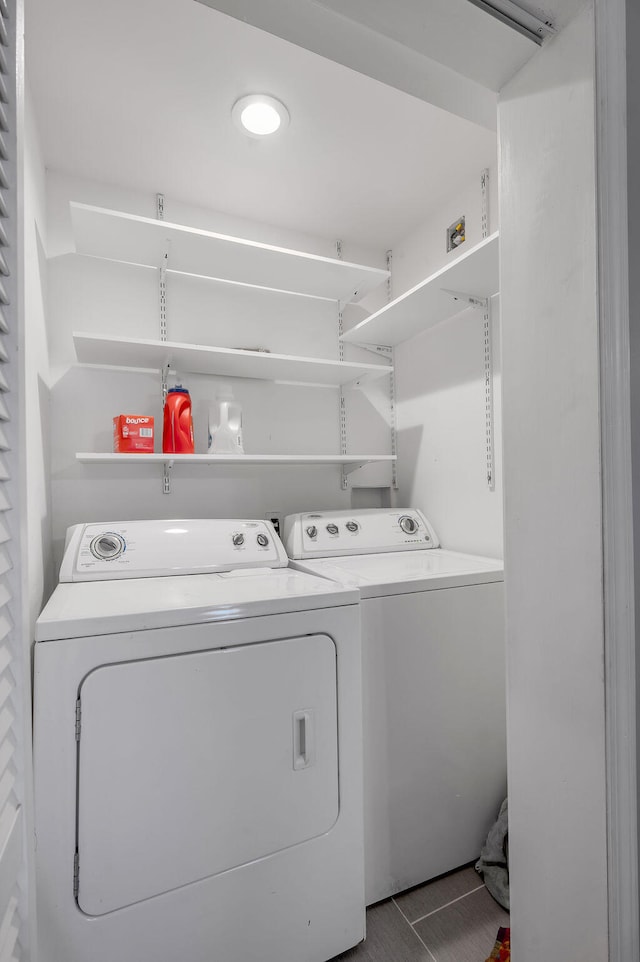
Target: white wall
{"points": [[40, 575], [441, 392], [87, 294], [553, 554]]}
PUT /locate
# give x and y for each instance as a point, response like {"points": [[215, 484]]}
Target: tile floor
{"points": [[453, 919]]}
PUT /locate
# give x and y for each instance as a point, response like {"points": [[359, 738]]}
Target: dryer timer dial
{"points": [[107, 546]]}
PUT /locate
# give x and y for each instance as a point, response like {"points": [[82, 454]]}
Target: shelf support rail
{"points": [[488, 396], [488, 349], [166, 478], [484, 194], [484, 304], [393, 426], [342, 403]]}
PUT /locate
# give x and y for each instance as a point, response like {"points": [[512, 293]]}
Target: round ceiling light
{"points": [[259, 115]]}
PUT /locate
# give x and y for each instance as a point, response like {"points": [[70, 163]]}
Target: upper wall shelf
{"points": [[117, 236], [220, 361], [427, 304]]}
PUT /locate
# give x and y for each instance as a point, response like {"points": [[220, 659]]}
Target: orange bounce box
{"points": [[132, 434]]}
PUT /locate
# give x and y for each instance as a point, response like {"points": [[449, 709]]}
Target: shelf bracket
{"points": [[361, 382], [345, 301], [471, 300], [380, 350], [348, 469]]}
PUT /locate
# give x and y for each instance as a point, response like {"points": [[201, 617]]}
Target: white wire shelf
{"points": [[220, 361], [348, 461], [143, 241], [475, 273]]}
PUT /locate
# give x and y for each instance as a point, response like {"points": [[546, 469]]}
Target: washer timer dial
{"points": [[107, 546], [409, 525]]}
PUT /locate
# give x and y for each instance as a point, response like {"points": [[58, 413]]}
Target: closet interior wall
{"points": [[105, 297], [442, 465]]}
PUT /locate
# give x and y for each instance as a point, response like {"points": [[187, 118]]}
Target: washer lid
{"points": [[109, 607], [402, 571]]}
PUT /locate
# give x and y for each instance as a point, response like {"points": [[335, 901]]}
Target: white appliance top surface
{"points": [[135, 575], [78, 610], [406, 571]]}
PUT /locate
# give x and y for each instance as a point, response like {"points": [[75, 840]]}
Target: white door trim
{"points": [[619, 594]]}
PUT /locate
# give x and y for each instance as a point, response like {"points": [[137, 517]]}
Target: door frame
{"points": [[617, 489]]}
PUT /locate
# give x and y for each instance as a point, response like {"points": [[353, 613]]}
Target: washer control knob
{"points": [[332, 528], [107, 546], [352, 526], [408, 525], [238, 539], [312, 531], [262, 540]]}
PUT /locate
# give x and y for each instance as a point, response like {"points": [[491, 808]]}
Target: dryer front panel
{"points": [[191, 765]]}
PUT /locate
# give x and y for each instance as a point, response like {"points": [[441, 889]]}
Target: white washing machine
{"points": [[197, 751], [433, 687]]}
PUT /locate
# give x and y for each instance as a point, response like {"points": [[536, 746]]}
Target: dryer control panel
{"points": [[324, 534], [148, 549]]}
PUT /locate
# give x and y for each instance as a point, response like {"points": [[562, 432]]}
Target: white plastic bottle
{"points": [[225, 425]]}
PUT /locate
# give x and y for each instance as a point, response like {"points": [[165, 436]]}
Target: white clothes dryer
{"points": [[433, 687], [197, 750]]}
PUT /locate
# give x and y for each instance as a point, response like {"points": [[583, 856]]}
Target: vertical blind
{"points": [[14, 680]]}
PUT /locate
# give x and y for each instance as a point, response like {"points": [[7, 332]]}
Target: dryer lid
{"points": [[112, 607]]}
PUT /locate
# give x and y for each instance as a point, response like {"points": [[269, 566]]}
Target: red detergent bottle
{"points": [[177, 430]]}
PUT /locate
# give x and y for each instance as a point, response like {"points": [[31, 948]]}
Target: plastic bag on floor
{"points": [[493, 863]]}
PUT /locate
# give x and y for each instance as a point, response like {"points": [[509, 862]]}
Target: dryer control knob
{"points": [[262, 540], [332, 528], [107, 546], [408, 525], [312, 531], [238, 539], [352, 525]]}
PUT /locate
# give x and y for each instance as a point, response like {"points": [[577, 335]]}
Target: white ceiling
{"points": [[139, 93], [451, 32]]}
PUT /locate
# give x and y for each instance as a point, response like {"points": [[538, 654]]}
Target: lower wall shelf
{"points": [[349, 462]]}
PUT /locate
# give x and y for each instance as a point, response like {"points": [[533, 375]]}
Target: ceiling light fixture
{"points": [[259, 115]]}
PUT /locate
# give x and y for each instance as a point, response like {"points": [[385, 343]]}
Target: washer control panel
{"points": [[147, 549], [324, 534]]}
